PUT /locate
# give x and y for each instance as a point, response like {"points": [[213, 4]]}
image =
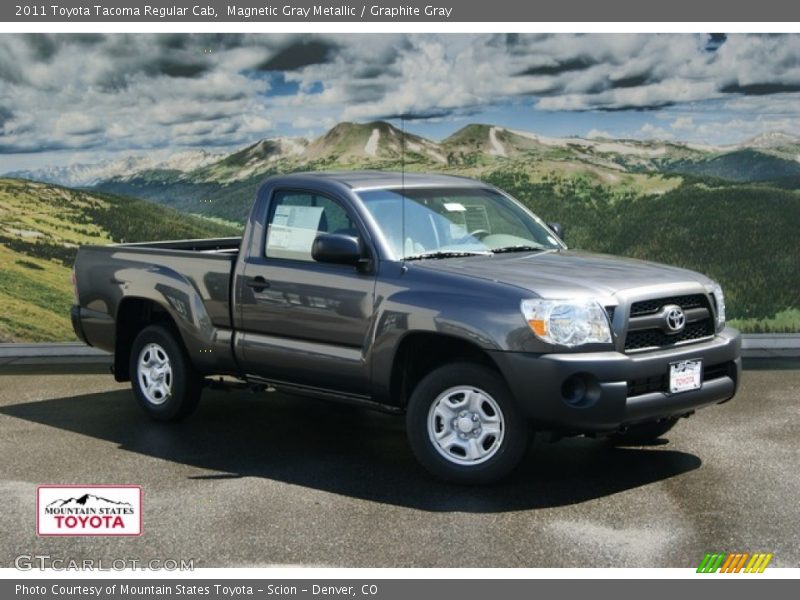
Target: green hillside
{"points": [[41, 227]]}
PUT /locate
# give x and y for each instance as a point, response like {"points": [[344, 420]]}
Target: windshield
{"points": [[442, 222]]}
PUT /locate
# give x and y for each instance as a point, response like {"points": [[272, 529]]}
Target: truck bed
{"points": [[170, 269]]}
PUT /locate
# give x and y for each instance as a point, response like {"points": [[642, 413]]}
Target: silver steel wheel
{"points": [[465, 425], [154, 371]]}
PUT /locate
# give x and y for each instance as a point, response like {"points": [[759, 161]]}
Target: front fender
{"points": [[482, 315]]}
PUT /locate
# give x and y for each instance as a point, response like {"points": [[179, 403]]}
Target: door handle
{"points": [[259, 284]]}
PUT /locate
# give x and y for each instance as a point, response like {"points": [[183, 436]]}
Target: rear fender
{"points": [[208, 347]]}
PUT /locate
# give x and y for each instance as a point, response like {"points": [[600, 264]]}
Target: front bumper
{"points": [[625, 389]]}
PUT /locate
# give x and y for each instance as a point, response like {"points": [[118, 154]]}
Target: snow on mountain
{"points": [[371, 147], [497, 147], [189, 160], [770, 140], [82, 175], [602, 145], [86, 175]]}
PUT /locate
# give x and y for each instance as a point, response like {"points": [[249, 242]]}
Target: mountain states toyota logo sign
{"points": [[89, 510]]}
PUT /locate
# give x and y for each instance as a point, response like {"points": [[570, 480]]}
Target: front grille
{"points": [[646, 307], [646, 385], [655, 338], [644, 334], [660, 383]]}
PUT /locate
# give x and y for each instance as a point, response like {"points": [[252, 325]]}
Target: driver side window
{"points": [[296, 218]]}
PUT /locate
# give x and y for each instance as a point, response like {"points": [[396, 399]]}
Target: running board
{"points": [[325, 394]]}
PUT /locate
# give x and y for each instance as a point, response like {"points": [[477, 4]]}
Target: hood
{"points": [[562, 274]]}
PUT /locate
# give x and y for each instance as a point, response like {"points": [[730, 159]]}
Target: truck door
{"points": [[304, 322]]}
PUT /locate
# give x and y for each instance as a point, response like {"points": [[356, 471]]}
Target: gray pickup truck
{"points": [[437, 297]]}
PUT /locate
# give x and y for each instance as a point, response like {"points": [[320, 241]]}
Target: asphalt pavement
{"points": [[258, 480]]}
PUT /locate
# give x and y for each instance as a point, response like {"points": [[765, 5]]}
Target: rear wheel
{"points": [[643, 433], [163, 379], [463, 425]]}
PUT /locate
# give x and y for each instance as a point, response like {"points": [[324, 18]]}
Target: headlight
{"points": [[567, 322], [719, 297]]}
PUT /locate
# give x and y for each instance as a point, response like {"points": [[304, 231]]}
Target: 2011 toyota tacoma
{"points": [[436, 297]]}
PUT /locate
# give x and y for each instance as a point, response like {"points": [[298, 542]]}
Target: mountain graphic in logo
{"points": [[80, 510], [86, 501]]}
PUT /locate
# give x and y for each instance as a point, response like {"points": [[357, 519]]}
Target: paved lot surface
{"points": [[273, 480]]}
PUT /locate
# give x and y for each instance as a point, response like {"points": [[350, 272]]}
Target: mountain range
{"points": [[224, 185], [769, 156]]}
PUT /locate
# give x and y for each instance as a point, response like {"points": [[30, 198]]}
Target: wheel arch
{"points": [[134, 314], [420, 352]]}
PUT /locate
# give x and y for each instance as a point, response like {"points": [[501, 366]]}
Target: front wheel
{"points": [[463, 425], [163, 379]]}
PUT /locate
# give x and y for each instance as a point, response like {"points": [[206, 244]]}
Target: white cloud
{"points": [[599, 133], [650, 131], [683, 124], [303, 122], [131, 91], [120, 91]]}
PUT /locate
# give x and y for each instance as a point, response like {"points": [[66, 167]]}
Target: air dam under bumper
{"points": [[603, 391]]}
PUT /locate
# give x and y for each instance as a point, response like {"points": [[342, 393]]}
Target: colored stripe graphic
{"points": [[728, 561], [751, 565], [711, 562], [703, 563], [734, 562], [766, 562], [718, 562], [758, 563], [742, 560]]}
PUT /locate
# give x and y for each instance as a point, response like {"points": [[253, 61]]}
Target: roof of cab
{"points": [[359, 180]]}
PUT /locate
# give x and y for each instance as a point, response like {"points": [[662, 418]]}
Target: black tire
{"points": [[182, 385], [423, 423], [643, 433]]}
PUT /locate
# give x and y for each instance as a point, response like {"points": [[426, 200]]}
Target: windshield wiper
{"points": [[518, 248], [447, 254]]}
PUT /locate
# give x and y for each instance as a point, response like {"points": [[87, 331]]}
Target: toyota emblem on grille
{"points": [[675, 318]]}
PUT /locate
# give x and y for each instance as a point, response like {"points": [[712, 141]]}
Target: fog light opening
{"points": [[580, 390]]}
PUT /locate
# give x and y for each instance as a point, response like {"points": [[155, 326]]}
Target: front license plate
{"points": [[685, 376]]}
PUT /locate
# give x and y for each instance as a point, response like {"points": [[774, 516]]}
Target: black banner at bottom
{"points": [[392, 589]]}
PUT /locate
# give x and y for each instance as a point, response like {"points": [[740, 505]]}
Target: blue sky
{"points": [[81, 98]]}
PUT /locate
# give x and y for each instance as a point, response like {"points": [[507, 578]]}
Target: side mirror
{"points": [[336, 248], [557, 229]]}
